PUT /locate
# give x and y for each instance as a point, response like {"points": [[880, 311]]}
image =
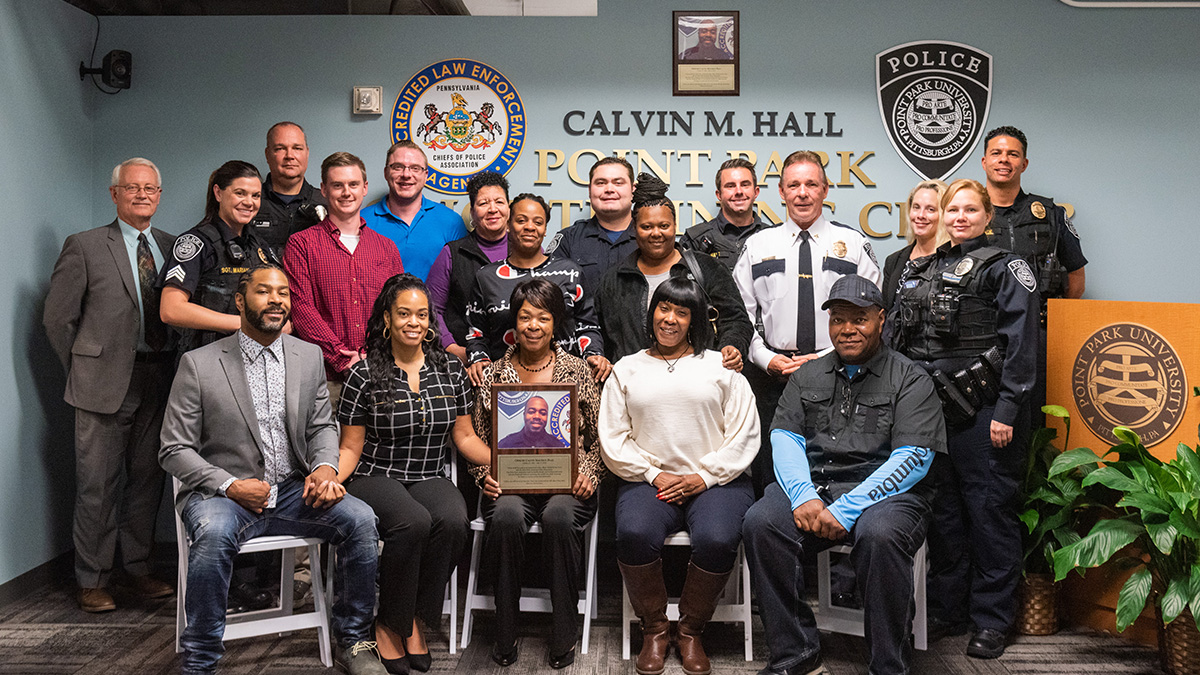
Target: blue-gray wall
{"points": [[47, 170], [1107, 97]]}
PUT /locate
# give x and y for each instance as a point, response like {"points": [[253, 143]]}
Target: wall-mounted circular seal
{"points": [[466, 115]]}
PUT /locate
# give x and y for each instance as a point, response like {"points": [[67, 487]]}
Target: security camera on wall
{"points": [[116, 70]]}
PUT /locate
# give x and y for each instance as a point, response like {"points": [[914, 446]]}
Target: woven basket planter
{"points": [[1037, 605], [1179, 643]]}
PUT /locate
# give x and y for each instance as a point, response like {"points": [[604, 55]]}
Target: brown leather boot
{"points": [[696, 605], [648, 596]]}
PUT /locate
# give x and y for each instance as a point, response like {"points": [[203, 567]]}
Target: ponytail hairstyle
{"points": [[222, 177]]}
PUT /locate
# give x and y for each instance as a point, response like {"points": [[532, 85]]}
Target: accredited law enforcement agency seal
{"points": [[1128, 375], [468, 118]]}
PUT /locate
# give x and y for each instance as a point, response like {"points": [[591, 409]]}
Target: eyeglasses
{"points": [[132, 189], [414, 169]]}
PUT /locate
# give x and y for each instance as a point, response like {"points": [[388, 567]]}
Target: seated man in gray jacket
{"points": [[249, 432]]}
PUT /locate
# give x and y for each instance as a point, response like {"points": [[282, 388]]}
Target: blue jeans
{"points": [[218, 526], [713, 520], [885, 539]]}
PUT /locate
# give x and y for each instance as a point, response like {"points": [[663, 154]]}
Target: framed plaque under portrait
{"points": [[705, 53], [534, 437]]}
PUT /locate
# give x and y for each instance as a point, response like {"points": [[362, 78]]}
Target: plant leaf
{"points": [[1110, 477], [1147, 502], [1065, 536], [1186, 524], [1073, 458], [1132, 599], [1030, 518], [1163, 534], [1189, 462], [1106, 538], [1056, 411], [1128, 435], [1175, 599]]}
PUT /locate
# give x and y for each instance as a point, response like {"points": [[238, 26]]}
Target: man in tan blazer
{"points": [[102, 320], [249, 433]]}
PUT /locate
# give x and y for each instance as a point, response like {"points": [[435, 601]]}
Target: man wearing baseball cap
{"points": [[853, 438]]}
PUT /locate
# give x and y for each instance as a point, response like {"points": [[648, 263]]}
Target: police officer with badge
{"points": [[201, 274], [1035, 228], [969, 316], [725, 236], [784, 275], [289, 202]]}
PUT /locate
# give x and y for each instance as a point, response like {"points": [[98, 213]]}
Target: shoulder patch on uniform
{"points": [[176, 273], [1020, 270], [553, 245], [187, 247], [1070, 226], [870, 252]]}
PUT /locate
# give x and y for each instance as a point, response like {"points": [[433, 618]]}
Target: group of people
{"points": [[752, 384]]}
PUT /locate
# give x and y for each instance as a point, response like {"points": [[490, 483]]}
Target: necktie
{"points": [[156, 332], [806, 337]]}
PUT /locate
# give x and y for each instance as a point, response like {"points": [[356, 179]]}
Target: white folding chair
{"points": [[849, 621], [279, 619], [733, 606], [532, 599]]}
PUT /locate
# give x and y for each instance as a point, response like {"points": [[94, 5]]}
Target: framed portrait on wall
{"points": [[534, 438], [705, 53]]}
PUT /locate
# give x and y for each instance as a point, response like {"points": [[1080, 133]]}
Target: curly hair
{"points": [[650, 191], [381, 363]]}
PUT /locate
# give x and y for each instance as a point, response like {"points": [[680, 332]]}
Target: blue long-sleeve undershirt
{"points": [[906, 466]]}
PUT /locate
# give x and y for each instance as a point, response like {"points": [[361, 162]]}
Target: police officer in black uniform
{"points": [[725, 236], [201, 274], [598, 243], [969, 316], [1035, 228], [289, 202]]}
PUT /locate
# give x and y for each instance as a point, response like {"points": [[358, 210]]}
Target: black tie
{"points": [[806, 337], [156, 332]]}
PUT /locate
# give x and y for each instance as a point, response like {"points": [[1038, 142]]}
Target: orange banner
{"points": [[1124, 364]]}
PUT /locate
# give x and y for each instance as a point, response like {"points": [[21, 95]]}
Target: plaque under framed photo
{"points": [[705, 53], [534, 437]]}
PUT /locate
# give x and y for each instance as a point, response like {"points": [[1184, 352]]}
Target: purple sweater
{"points": [[439, 277]]}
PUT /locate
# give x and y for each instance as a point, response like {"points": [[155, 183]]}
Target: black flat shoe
{"points": [[506, 658], [986, 644], [398, 666], [420, 662], [562, 660]]}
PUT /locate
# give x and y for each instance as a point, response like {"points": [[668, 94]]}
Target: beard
{"points": [[264, 324]]}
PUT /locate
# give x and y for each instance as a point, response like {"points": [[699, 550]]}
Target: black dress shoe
{"points": [[986, 644], [246, 597], [506, 658], [420, 662], [398, 666], [562, 660]]}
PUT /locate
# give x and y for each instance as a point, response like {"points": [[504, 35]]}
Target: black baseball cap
{"points": [[855, 290]]}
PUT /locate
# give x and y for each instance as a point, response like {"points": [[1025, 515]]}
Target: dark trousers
{"points": [[975, 540], [767, 390], [423, 526], [885, 539], [564, 519], [118, 480], [713, 520]]}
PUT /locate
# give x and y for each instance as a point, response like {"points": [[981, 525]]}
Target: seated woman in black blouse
{"points": [[399, 407]]}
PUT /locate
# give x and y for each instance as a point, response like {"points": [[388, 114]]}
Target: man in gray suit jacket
{"points": [[249, 433], [118, 372]]}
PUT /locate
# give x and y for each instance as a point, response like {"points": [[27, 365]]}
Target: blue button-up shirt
{"points": [[420, 241]]}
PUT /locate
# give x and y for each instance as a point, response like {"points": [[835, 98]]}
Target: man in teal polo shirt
{"points": [[419, 226]]}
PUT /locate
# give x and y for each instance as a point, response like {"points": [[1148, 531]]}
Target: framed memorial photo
{"points": [[705, 53], [534, 439]]}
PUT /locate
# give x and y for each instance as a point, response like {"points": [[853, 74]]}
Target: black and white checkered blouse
{"points": [[408, 442]]}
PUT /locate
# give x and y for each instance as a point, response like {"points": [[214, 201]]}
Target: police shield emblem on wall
{"points": [[934, 98]]}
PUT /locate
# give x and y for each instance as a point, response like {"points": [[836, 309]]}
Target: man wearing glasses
{"points": [[102, 320], [419, 226]]}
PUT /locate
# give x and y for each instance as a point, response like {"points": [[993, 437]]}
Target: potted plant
{"points": [[1053, 508], [1156, 531]]}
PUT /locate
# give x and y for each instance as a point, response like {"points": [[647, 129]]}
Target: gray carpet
{"points": [[44, 632]]}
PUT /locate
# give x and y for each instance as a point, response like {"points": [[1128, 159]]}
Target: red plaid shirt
{"points": [[334, 290]]}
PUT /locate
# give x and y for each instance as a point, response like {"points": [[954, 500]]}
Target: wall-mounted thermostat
{"points": [[368, 101]]}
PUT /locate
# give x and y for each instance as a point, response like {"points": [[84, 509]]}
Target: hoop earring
{"points": [[387, 333], [429, 334]]}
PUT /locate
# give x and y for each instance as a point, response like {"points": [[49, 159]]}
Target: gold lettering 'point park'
{"points": [[1128, 375], [467, 116]]}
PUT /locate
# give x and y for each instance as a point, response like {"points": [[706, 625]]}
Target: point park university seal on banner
{"points": [[934, 99], [467, 117], [1128, 375]]}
